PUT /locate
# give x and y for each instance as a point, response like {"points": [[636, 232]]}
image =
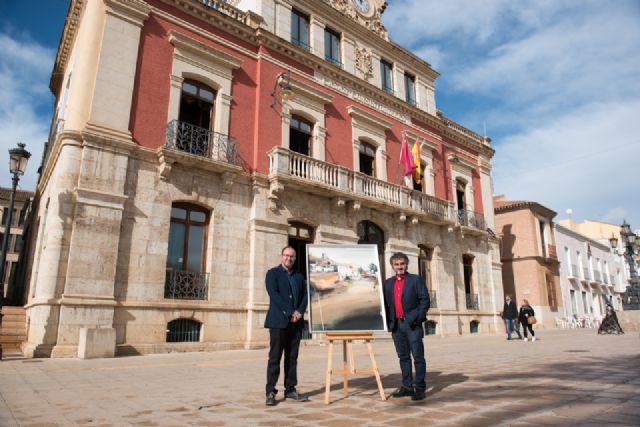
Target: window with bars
{"points": [[183, 330]]}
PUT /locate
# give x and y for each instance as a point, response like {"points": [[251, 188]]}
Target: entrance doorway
{"points": [[370, 233], [299, 235]]}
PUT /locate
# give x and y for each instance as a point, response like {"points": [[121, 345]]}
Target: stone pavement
{"points": [[569, 377]]}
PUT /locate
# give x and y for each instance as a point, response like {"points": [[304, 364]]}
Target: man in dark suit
{"points": [[406, 302], [287, 303], [510, 314]]}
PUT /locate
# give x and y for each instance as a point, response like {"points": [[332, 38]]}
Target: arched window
{"points": [[186, 277], [183, 330], [300, 132], [370, 233], [367, 159]]}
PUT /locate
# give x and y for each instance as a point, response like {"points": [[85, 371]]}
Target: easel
{"points": [[347, 348]]}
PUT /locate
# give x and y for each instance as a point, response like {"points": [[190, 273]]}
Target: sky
{"points": [[555, 83]]}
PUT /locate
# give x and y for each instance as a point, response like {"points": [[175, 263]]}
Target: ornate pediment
{"points": [[365, 12]]}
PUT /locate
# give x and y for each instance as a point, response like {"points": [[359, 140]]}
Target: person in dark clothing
{"points": [[610, 323], [287, 303], [510, 314], [526, 312]]}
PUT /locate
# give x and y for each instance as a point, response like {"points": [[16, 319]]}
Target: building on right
{"points": [[591, 276], [530, 266]]}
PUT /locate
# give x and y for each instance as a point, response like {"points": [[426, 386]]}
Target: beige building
{"points": [[530, 266], [194, 139]]}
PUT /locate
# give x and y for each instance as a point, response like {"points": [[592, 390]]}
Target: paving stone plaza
{"points": [[568, 377]]}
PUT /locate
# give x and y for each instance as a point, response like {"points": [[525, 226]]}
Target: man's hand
{"points": [[295, 316]]}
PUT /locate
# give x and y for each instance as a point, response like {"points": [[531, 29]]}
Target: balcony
{"points": [[471, 219], [317, 177], [574, 273], [551, 252], [597, 277], [472, 302], [186, 285], [586, 277], [200, 142]]}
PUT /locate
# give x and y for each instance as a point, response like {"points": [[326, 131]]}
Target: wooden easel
{"points": [[347, 348]]}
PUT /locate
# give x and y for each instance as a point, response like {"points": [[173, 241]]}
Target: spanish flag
{"points": [[415, 151]]}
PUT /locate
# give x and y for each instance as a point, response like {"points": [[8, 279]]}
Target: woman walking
{"points": [[527, 319]]}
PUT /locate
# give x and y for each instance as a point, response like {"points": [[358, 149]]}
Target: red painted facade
{"points": [[253, 122]]}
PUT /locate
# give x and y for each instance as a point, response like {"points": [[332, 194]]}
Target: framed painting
{"points": [[344, 289]]}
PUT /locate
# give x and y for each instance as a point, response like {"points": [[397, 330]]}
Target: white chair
{"points": [[561, 322]]}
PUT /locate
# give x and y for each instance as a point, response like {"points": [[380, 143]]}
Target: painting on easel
{"points": [[345, 289]]}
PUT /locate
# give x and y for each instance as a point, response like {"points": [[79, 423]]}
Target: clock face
{"points": [[362, 6]]}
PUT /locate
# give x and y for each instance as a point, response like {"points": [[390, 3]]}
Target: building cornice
{"points": [[517, 205], [67, 37]]}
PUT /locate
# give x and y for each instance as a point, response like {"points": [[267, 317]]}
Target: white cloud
{"points": [[25, 68], [586, 160]]}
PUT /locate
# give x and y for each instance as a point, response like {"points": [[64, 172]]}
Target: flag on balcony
{"points": [[406, 158], [415, 151]]}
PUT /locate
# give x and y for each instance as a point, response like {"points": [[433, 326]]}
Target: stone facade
{"points": [[116, 175], [530, 265]]}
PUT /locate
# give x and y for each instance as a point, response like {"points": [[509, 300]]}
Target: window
{"points": [[461, 203], [367, 159], [430, 327], [567, 255], [386, 78], [543, 241], [419, 186], [332, 47], [300, 135], [551, 293], [299, 235], [23, 212], [424, 265], [183, 330], [196, 104], [473, 326], [300, 29], [467, 270], [17, 246], [410, 88], [574, 304], [5, 211], [186, 278]]}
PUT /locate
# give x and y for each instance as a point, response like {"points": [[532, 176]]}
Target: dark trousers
{"points": [[285, 341], [408, 342], [525, 326]]}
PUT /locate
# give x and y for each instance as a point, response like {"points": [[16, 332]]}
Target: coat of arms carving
{"points": [[364, 63]]}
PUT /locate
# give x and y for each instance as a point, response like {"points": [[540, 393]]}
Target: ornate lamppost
{"points": [[18, 158], [631, 246]]}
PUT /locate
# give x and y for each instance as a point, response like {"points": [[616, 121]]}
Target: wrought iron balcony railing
{"points": [[433, 297], [471, 219], [472, 302], [201, 142], [186, 285], [323, 175]]}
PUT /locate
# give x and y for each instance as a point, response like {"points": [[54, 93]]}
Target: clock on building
{"points": [[362, 6]]}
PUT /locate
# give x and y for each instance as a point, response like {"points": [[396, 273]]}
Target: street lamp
{"points": [[631, 246], [18, 158]]}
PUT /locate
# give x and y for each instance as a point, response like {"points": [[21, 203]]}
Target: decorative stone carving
{"points": [[275, 187], [227, 181], [364, 63], [371, 22]]}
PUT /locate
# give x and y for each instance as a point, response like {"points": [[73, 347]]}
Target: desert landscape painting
{"points": [[345, 289]]}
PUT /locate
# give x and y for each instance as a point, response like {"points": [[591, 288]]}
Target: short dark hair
{"points": [[287, 247], [399, 255]]}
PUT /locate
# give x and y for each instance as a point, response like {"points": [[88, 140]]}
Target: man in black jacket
{"points": [[510, 314], [406, 302], [287, 304]]}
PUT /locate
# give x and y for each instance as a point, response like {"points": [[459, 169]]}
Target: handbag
{"points": [[531, 320]]}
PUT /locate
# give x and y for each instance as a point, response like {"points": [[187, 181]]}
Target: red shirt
{"points": [[397, 295]]}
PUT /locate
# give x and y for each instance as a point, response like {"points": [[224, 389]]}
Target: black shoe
{"points": [[418, 395], [402, 392], [295, 396], [271, 399]]}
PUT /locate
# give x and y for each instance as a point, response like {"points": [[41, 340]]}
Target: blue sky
{"points": [[555, 82]]}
